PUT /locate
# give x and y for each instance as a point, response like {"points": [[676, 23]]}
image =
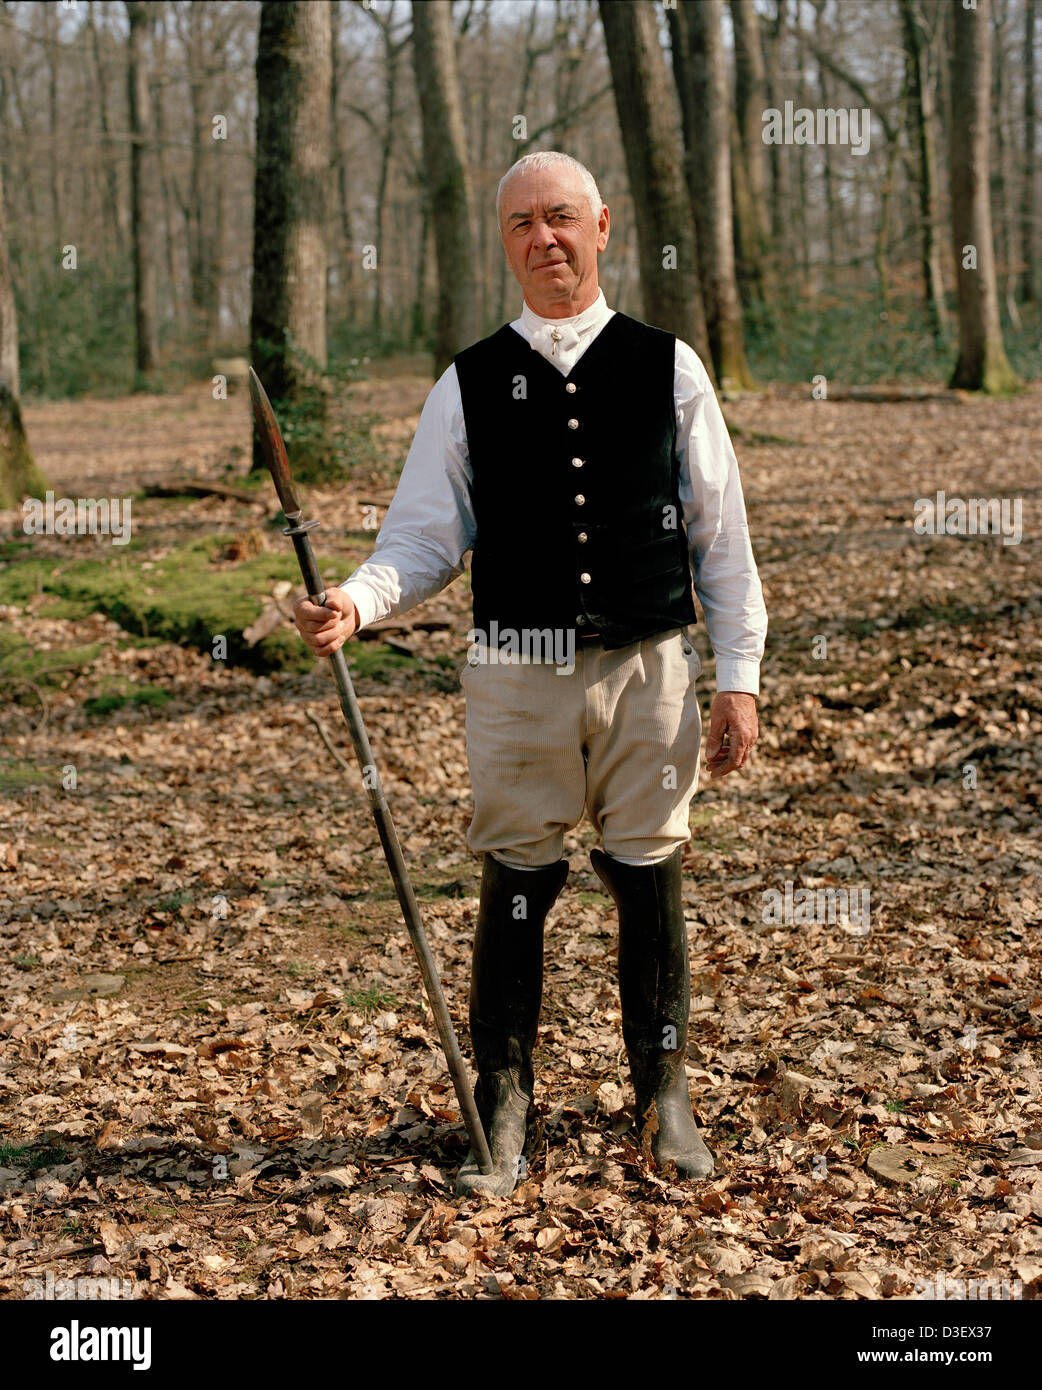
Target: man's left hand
{"points": [[733, 727]]}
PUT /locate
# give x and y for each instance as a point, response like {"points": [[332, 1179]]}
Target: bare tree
{"points": [[982, 364], [447, 179], [646, 110], [19, 475], [111, 200], [338, 151], [752, 210], [701, 77], [288, 313], [921, 76], [1028, 206], [146, 349]]}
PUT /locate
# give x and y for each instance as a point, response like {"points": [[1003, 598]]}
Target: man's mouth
{"points": [[546, 265]]}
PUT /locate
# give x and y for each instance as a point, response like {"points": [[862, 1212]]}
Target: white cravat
{"points": [[563, 341]]}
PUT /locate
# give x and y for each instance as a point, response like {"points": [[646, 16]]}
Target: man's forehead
{"points": [[541, 193]]}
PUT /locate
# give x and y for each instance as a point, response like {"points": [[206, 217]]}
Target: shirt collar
{"points": [[591, 318]]}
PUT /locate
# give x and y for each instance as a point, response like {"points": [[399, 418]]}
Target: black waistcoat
{"points": [[578, 516]]}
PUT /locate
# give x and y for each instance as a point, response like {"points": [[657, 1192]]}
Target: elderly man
{"points": [[582, 456]]}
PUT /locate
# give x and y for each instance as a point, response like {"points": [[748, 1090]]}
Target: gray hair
{"points": [[549, 159]]}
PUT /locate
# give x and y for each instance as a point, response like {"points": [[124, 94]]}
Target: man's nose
{"points": [[544, 235]]}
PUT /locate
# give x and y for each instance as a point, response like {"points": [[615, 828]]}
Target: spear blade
{"points": [[273, 446]]}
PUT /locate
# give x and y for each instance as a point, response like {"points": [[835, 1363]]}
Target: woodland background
{"points": [[217, 1076]]}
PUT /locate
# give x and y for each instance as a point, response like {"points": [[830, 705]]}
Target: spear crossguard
{"points": [[298, 528]]}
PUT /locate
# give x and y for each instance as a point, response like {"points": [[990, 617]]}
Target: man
{"points": [[583, 457]]}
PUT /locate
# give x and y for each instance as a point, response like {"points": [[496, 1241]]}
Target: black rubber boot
{"points": [[506, 991], [655, 988]]}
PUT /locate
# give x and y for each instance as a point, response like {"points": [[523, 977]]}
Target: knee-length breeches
{"points": [[618, 737]]}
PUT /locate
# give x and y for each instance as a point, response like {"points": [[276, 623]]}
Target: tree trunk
{"points": [[752, 210], [1001, 197], [780, 180], [19, 476], [201, 181], [701, 77], [392, 52], [418, 321], [801, 189], [288, 309], [1028, 229], [346, 260], [982, 364], [831, 204], [111, 199], [448, 185], [146, 351], [666, 242], [921, 110]]}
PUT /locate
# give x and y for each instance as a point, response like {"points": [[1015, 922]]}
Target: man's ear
{"points": [[603, 228]]}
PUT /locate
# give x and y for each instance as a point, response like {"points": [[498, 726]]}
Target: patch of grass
{"points": [[175, 901], [595, 899], [188, 597], [895, 1106], [192, 597], [46, 1158], [20, 661], [137, 696], [367, 1001], [25, 962], [17, 773], [9, 1152], [300, 969]]}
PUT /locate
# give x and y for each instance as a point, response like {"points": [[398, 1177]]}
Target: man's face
{"points": [[551, 239]]}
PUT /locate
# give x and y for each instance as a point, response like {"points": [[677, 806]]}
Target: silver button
{"points": [[580, 621], [585, 577], [573, 424], [570, 387], [579, 499], [583, 538], [577, 463]]}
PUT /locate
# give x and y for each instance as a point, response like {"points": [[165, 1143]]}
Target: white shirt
{"points": [[430, 522]]}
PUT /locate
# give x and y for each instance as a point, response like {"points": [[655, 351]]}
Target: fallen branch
{"points": [[324, 735], [192, 487]]}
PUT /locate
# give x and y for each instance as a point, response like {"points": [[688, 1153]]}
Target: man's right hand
{"points": [[326, 628]]}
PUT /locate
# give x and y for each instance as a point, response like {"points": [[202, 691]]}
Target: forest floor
{"points": [[218, 1077]]}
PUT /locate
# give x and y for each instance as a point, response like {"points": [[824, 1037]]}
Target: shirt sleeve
{"points": [[722, 563], [430, 523]]}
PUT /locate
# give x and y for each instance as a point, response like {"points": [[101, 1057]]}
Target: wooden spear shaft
{"points": [[298, 530]]}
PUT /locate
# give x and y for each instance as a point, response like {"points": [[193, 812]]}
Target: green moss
{"points": [[20, 661], [186, 597], [137, 696], [189, 596], [16, 773]]}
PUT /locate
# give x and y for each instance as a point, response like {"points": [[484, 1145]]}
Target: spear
{"points": [[297, 530]]}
